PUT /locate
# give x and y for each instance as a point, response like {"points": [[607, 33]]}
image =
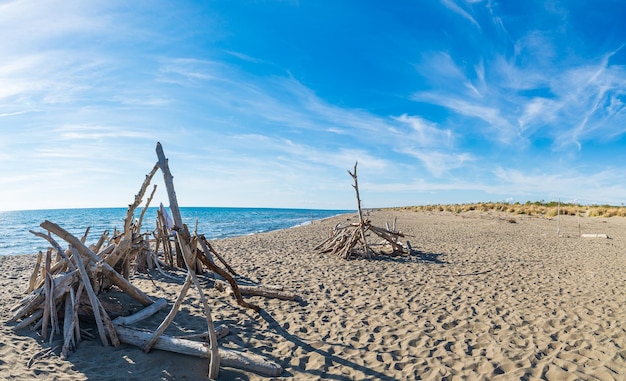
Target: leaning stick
{"points": [[217, 255], [84, 238], [138, 197], [206, 260], [145, 313], [100, 242], [34, 275], [33, 301], [214, 365], [221, 331], [170, 316], [54, 244], [68, 325], [260, 291], [169, 185], [93, 299], [46, 289], [29, 320], [145, 208], [108, 325], [113, 275], [189, 259], [79, 293]]}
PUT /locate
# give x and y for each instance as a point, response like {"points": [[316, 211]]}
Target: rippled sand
{"points": [[487, 296]]}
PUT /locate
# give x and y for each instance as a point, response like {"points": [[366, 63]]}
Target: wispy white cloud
{"points": [[95, 132], [587, 188], [581, 102], [426, 133], [456, 8]]}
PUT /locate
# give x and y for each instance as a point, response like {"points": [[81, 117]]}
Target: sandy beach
{"points": [[487, 296]]}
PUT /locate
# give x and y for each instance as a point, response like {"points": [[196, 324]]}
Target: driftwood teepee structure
{"points": [[64, 292], [350, 241]]}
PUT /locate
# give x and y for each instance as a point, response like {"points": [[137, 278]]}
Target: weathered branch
{"points": [[113, 275], [229, 358], [259, 291]]}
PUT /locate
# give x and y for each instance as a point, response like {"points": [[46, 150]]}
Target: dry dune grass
{"points": [[549, 209]]}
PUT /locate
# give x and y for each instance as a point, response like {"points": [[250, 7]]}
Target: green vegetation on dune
{"points": [[537, 208]]}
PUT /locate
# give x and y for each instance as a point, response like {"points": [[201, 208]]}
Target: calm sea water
{"points": [[214, 223]]}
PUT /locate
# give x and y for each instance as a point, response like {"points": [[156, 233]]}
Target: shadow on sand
{"points": [[330, 358]]}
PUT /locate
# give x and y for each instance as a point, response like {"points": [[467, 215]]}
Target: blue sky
{"points": [[269, 103]]}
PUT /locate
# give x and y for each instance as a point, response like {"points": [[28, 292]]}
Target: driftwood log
{"points": [[230, 358]]}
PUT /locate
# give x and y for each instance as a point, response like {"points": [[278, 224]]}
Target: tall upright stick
{"points": [[558, 218], [190, 262], [169, 185], [358, 204]]}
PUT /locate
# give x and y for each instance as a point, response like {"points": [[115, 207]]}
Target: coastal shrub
{"points": [[551, 212]]}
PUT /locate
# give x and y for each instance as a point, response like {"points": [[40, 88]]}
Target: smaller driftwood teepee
{"points": [[350, 241]]}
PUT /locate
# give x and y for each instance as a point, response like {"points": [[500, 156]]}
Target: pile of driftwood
{"points": [[66, 287], [350, 241]]}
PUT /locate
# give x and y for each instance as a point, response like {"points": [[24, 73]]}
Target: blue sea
{"points": [[214, 223]]}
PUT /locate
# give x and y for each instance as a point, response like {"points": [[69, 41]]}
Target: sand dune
{"points": [[487, 296]]}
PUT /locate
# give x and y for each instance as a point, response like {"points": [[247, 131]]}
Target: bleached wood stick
{"points": [[35, 299], [84, 237], [68, 325], [157, 263], [362, 222], [120, 250], [169, 185], [170, 316], [100, 242], [145, 208], [138, 197], [79, 293], [189, 259], [221, 331], [29, 320], [54, 320], [33, 278], [217, 255], [259, 291], [206, 260], [390, 237], [93, 299], [594, 236], [229, 358], [108, 325], [145, 313], [47, 296], [214, 365], [55, 245], [113, 275], [106, 251]]}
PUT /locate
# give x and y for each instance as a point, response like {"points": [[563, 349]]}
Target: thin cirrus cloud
{"points": [[284, 102], [456, 8], [573, 104]]}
